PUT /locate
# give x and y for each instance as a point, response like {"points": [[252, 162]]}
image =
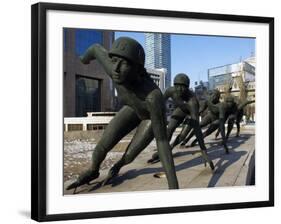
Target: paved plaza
{"points": [[234, 169]]}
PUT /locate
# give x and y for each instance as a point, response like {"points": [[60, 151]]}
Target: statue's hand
{"points": [[84, 60], [207, 159], [89, 55]]}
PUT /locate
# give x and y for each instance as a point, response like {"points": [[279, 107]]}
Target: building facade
{"points": [[240, 78], [158, 76], [222, 76], [158, 53], [87, 88], [201, 89]]}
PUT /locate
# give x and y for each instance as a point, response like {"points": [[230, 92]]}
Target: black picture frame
{"points": [[39, 114]]}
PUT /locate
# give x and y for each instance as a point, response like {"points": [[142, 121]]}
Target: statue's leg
{"points": [[230, 125], [122, 123], [238, 128], [184, 132], [205, 121], [176, 119], [238, 120], [199, 137], [213, 126], [186, 140], [142, 138], [217, 134]]}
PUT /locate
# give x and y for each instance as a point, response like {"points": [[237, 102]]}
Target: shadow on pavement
{"points": [[215, 151], [224, 162]]}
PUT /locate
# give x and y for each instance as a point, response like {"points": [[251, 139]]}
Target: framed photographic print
{"points": [[139, 111]]}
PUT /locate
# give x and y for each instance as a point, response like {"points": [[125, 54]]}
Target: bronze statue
{"points": [[236, 118], [203, 105], [143, 108], [187, 110], [216, 118]]}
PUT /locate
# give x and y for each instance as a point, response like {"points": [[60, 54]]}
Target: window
{"points": [[75, 127], [88, 96]]}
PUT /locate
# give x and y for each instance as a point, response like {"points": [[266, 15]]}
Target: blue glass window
{"points": [[85, 38]]}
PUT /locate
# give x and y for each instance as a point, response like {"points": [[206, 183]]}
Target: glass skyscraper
{"points": [[158, 53]]}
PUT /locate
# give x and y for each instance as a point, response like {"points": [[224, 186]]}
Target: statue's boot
{"points": [[113, 172], [154, 159], [226, 148], [84, 178]]}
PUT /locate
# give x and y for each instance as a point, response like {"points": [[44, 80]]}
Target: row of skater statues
{"points": [[144, 109]]}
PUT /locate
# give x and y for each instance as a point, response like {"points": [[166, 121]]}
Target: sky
{"points": [[194, 54]]}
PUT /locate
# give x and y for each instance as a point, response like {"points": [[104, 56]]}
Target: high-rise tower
{"points": [[158, 53]]}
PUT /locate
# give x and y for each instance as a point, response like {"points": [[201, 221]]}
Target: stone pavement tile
{"points": [[247, 170], [227, 166]]}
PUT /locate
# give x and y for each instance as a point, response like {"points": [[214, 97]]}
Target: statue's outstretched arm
{"points": [[242, 105], [98, 52]]}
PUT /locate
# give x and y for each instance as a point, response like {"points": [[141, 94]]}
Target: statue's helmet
{"points": [[129, 49], [182, 79]]}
